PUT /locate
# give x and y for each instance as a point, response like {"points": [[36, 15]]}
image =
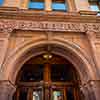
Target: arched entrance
{"points": [[47, 77], [66, 50]]}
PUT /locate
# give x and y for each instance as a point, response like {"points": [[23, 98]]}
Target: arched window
{"points": [[1, 2], [36, 4]]}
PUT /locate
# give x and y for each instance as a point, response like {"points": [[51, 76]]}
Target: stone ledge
{"points": [[83, 12], [26, 14], [8, 8]]}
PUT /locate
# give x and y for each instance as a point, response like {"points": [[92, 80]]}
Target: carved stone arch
{"points": [[70, 51]]}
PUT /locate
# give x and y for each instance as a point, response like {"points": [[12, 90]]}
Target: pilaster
{"points": [[4, 42], [71, 5], [24, 4], [12, 3], [48, 5], [82, 5], [91, 35]]}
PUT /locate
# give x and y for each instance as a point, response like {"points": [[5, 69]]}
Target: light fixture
{"points": [[48, 54]]}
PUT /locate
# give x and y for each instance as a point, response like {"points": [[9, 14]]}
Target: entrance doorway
{"points": [[51, 78]]}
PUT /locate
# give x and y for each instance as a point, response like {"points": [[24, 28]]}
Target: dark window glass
{"points": [[32, 73], [36, 4], [70, 93], [59, 5], [62, 72], [23, 94]]}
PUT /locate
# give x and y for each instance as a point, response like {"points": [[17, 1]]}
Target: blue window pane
{"points": [[1, 2], [36, 5], [59, 6], [94, 7]]}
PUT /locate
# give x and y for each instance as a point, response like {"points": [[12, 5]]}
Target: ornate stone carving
{"points": [[11, 25], [5, 87]]}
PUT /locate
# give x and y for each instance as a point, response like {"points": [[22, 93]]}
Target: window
{"points": [[59, 5], [55, 5], [1, 2], [94, 5], [61, 73], [30, 75], [36, 4]]}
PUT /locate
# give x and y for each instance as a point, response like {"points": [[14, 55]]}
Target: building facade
{"points": [[49, 50]]}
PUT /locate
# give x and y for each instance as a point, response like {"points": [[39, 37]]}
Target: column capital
{"points": [[91, 35], [6, 90], [91, 89]]}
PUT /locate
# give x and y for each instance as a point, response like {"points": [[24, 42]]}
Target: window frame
{"points": [[97, 3]]}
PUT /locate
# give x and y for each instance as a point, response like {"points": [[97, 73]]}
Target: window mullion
{"points": [[48, 4]]}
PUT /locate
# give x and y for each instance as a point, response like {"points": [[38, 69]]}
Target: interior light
{"points": [[47, 56]]}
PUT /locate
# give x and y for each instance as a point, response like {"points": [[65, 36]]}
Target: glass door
{"points": [[52, 80]]}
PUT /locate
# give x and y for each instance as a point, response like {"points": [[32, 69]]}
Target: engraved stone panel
{"points": [[10, 25]]}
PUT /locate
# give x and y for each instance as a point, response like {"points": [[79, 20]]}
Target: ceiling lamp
{"points": [[47, 56]]}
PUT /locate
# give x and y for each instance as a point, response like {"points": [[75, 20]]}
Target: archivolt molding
{"points": [[71, 52], [69, 44]]}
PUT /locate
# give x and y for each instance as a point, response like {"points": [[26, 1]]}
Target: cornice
{"points": [[25, 14], [19, 19]]}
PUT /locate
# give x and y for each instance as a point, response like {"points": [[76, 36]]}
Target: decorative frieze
{"points": [[11, 25]]}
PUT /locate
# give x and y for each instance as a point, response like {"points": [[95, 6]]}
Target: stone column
{"points": [[11, 3], [6, 90], [71, 5], [91, 35], [96, 82], [48, 4], [82, 5], [24, 4]]}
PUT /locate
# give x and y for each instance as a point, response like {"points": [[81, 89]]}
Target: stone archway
{"points": [[67, 50]]}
